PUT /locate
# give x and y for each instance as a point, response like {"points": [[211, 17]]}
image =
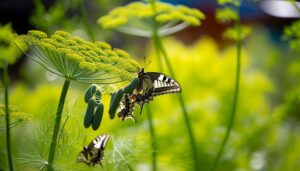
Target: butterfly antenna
{"points": [[146, 64]]}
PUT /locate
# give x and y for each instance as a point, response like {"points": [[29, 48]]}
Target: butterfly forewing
{"points": [[99, 142], [160, 83]]}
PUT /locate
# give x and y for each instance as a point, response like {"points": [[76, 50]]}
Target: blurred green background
{"points": [[265, 135]]}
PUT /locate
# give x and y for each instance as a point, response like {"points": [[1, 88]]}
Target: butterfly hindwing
{"points": [[93, 153], [163, 84]]}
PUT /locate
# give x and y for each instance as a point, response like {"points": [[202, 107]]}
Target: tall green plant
{"points": [[8, 55], [230, 13], [153, 20], [77, 60]]}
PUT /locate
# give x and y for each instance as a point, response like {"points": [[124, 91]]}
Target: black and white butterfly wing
{"points": [[126, 108], [154, 84], [93, 153], [163, 84], [83, 156]]}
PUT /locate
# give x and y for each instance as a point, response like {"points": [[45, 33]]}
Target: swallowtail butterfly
{"points": [[154, 84], [151, 84], [93, 153]]}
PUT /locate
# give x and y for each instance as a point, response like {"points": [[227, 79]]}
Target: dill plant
{"points": [[229, 13], [8, 55], [156, 19], [76, 60]]}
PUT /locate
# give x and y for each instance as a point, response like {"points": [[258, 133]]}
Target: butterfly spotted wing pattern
{"points": [[93, 153]]}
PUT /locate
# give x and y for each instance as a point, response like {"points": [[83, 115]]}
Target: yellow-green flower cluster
{"points": [[292, 34], [229, 13], [163, 13], [76, 59], [231, 33], [15, 113], [8, 51]]}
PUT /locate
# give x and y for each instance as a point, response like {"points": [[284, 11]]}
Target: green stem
{"points": [[57, 123], [5, 82], [153, 138], [235, 98], [85, 20], [183, 107], [160, 48], [155, 38]]}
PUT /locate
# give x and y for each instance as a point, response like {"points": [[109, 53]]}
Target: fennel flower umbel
{"points": [[136, 18], [76, 59]]}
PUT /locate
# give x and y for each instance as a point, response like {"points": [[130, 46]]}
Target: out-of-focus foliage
{"points": [[228, 14], [72, 16], [139, 10], [8, 51], [231, 2], [231, 33], [76, 59], [15, 113], [45, 19], [137, 18], [17, 116], [292, 34]]}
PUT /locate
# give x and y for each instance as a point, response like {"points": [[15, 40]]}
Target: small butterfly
{"points": [[151, 84], [93, 153]]}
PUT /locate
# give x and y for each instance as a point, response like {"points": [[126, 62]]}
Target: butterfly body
{"points": [[93, 153]]}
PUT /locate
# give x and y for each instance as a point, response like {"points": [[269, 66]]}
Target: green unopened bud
{"points": [[88, 117], [133, 85], [98, 116], [90, 92], [114, 103]]}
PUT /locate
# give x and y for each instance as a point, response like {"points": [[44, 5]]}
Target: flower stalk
{"points": [[235, 97], [57, 123], [161, 50], [86, 23], [5, 83], [153, 138]]}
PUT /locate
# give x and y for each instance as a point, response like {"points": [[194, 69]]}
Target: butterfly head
{"points": [[141, 72]]}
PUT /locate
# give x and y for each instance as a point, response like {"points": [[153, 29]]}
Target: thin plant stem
{"points": [[5, 82], [63, 126], [160, 48], [57, 123], [153, 138], [235, 98], [182, 105], [85, 20]]}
